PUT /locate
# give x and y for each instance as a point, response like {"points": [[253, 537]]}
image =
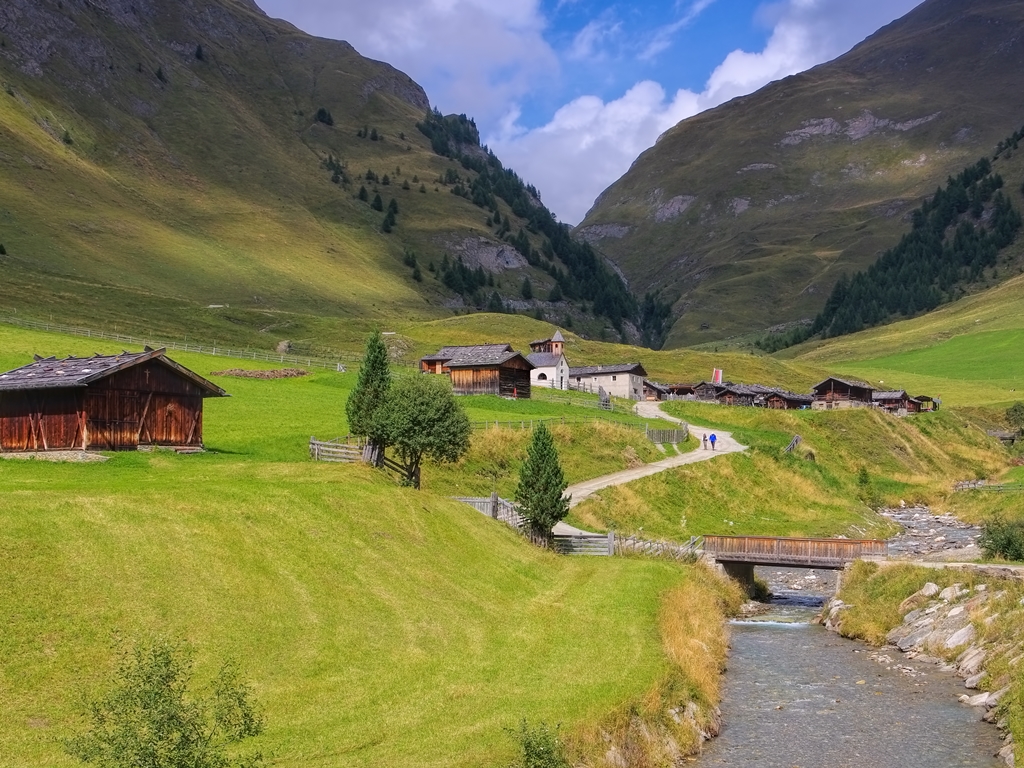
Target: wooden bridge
{"points": [[832, 554], [739, 554]]}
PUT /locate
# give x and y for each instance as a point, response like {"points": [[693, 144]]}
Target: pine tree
{"points": [[377, 204], [393, 206], [3, 250], [363, 194], [371, 392], [373, 134], [541, 485], [527, 289], [200, 56]]}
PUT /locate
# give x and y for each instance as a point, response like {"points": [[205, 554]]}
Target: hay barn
{"points": [[485, 369], [104, 402]]}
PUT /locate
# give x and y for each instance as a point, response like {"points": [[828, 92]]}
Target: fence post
{"points": [[494, 504], [611, 542]]}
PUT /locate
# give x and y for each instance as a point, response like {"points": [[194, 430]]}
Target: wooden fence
{"points": [[337, 450], [631, 545], [495, 507], [585, 543], [203, 349], [672, 436], [983, 485]]}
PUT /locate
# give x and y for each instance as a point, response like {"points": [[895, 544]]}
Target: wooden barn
{"points": [[486, 369], [105, 403], [897, 402], [841, 393], [781, 400]]}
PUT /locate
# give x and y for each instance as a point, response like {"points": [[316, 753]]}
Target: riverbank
{"points": [[966, 620]]}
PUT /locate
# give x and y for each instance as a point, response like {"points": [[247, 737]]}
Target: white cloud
{"points": [[589, 143], [586, 44], [663, 36], [472, 56]]}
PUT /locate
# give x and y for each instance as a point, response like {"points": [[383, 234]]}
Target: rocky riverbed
{"points": [[937, 623], [927, 536]]}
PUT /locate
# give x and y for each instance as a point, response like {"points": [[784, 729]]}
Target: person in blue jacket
{"points": [[713, 439]]}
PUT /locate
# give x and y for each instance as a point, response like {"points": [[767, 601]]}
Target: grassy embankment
{"points": [[874, 595], [380, 626], [814, 491]]}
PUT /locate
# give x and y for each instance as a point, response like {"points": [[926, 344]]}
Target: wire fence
{"points": [[203, 349]]}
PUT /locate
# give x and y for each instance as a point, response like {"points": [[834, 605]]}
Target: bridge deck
{"points": [[803, 553]]}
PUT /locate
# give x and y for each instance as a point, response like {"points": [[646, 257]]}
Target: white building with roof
{"points": [[622, 380], [550, 368]]}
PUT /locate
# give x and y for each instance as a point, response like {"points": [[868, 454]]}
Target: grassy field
{"points": [[379, 625], [813, 491]]}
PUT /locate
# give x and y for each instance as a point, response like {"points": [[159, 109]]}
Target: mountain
{"points": [[198, 167], [745, 216]]}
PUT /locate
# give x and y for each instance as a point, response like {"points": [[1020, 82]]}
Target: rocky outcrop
{"points": [[860, 127], [483, 252]]}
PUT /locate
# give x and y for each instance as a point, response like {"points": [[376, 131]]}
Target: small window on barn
{"points": [[542, 377], [613, 378]]}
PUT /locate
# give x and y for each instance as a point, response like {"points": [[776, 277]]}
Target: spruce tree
{"points": [[527, 289], [393, 206], [363, 194], [541, 485], [370, 394], [377, 204]]}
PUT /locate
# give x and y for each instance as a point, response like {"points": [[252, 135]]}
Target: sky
{"points": [[569, 92]]}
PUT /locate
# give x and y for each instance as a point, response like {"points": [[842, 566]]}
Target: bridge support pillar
{"points": [[741, 572]]}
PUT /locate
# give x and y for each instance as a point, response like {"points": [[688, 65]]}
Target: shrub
{"points": [[539, 747], [1003, 538], [324, 116], [3, 250]]}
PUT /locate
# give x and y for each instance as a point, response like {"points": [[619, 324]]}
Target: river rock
{"points": [[929, 590], [994, 698], [960, 637], [915, 638], [969, 662], [949, 594], [974, 680], [978, 700]]}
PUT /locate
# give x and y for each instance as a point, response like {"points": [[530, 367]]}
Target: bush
{"points": [[324, 116], [1003, 538], [539, 747]]}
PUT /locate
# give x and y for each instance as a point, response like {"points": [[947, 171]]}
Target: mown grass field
{"points": [[379, 625]]}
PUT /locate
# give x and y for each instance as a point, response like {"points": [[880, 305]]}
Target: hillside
{"points": [[745, 216], [200, 168]]}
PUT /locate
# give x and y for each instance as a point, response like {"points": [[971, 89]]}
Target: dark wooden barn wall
{"points": [[505, 381], [147, 404]]}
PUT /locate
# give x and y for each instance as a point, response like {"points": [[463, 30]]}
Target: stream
{"points": [[798, 696]]}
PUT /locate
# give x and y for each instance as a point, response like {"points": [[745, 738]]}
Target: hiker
{"points": [[714, 439], [705, 441]]}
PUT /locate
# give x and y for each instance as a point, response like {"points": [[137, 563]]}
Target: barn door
{"points": [[113, 419]]}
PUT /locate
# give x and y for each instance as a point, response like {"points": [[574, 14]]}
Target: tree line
{"points": [[955, 235]]}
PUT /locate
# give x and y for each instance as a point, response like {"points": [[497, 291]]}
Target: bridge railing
{"points": [[771, 549]]}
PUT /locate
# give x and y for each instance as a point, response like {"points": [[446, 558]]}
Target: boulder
{"points": [[961, 636], [949, 594], [974, 680], [978, 700], [929, 590]]}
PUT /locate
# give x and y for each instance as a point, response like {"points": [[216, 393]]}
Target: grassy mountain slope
{"points": [[746, 215], [143, 183], [967, 352]]}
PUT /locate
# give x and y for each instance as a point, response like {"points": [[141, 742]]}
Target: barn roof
{"points": [[543, 359], [444, 354], [599, 370], [897, 394], [74, 372], [847, 382]]}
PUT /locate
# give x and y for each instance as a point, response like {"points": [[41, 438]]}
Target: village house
{"points": [[897, 402], [104, 402], [550, 368], [782, 400], [624, 380], [484, 369], [655, 391], [835, 393]]}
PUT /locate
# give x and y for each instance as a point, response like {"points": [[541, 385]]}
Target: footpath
{"points": [[579, 492]]}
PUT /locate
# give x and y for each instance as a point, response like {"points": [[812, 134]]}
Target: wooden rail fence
{"points": [[585, 543], [632, 545], [983, 485], [770, 550], [337, 450], [673, 436]]}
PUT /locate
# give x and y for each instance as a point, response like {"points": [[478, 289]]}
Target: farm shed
{"points": [[655, 391], [486, 369], [104, 402], [781, 400], [841, 393]]}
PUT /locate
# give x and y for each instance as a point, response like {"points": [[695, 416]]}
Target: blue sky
{"points": [[570, 92]]}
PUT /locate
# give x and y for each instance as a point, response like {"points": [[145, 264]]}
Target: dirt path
{"points": [[584, 490]]}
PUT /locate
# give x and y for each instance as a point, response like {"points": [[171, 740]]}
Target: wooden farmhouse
{"points": [[655, 391], [625, 380], [105, 402], [840, 393], [485, 369], [897, 402], [550, 368]]}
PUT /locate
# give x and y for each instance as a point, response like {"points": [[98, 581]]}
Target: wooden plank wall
{"points": [[48, 420]]}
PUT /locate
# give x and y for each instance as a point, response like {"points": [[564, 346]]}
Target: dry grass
{"points": [[672, 719]]}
